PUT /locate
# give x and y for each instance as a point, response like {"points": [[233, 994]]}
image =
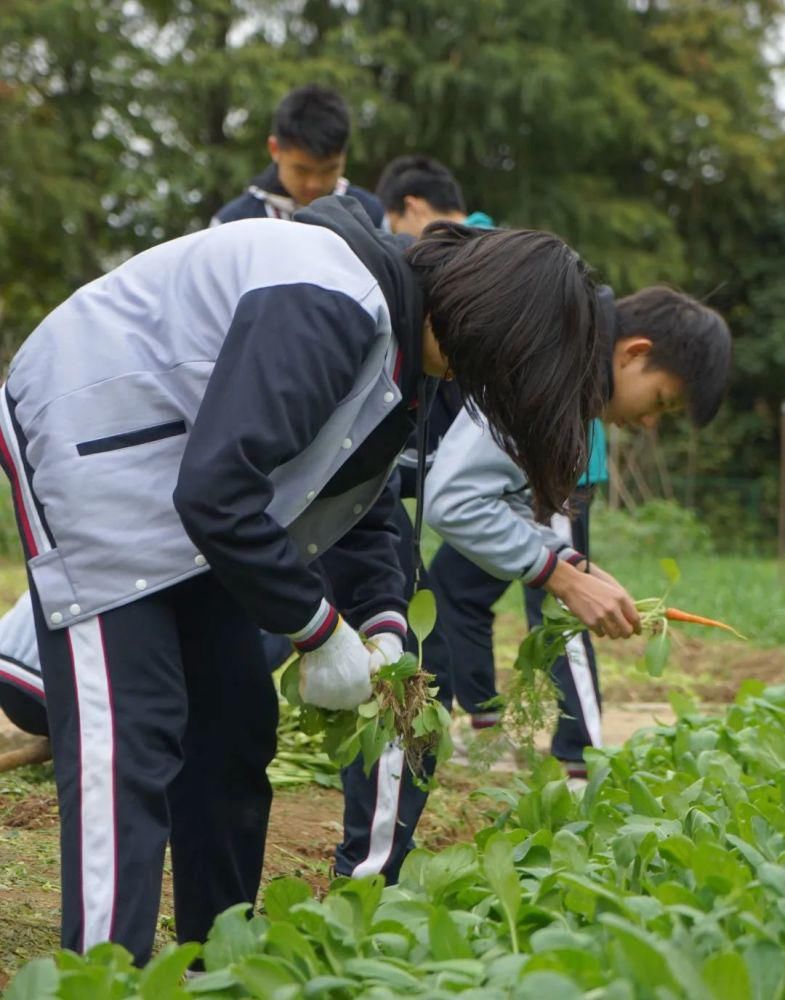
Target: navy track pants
{"points": [[465, 596], [162, 716], [381, 810]]}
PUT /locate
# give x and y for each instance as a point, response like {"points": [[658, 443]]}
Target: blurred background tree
{"points": [[645, 132]]}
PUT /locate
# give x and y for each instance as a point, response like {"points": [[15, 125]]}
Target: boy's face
{"points": [[640, 394], [306, 177]]}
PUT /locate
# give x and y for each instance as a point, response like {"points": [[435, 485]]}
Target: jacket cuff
{"points": [[385, 621], [572, 556], [318, 630], [541, 570]]}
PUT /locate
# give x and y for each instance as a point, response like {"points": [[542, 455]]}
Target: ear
{"points": [[273, 148], [630, 348], [413, 204]]}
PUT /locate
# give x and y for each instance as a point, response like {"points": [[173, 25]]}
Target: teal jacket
{"points": [[480, 220], [597, 469]]}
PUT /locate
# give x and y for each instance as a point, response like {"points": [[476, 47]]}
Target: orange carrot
{"points": [[676, 615]]}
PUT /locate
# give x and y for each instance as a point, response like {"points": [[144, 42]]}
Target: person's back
{"points": [[86, 404], [307, 146]]}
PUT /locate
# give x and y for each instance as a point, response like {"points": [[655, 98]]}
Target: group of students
{"points": [[208, 449]]}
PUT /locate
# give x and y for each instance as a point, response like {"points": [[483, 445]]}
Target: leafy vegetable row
{"points": [[664, 880]]}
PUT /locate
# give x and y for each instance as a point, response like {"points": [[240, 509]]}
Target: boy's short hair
{"points": [[689, 340], [313, 118], [422, 177]]}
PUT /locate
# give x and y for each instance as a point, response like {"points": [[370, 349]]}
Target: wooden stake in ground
{"points": [[781, 539], [35, 751]]}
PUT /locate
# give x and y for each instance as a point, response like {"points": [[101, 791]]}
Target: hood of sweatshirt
{"points": [[382, 253]]}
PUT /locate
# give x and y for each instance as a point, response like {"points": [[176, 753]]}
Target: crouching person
{"points": [[664, 352], [182, 436], [21, 687]]}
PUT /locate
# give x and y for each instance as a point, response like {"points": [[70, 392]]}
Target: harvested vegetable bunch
{"points": [[300, 758], [531, 701], [402, 709]]}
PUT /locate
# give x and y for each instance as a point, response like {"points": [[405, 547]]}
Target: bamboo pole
{"points": [[781, 539]]}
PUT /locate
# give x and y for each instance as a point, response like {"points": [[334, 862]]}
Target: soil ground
{"points": [[306, 822]]}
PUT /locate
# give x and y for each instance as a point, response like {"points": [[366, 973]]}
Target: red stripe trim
{"points": [[397, 369], [13, 475], [321, 635], [386, 625], [485, 723], [114, 774], [545, 572], [81, 778], [575, 559], [17, 682]]}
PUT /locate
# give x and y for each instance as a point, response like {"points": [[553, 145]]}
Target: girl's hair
{"points": [[514, 313]]}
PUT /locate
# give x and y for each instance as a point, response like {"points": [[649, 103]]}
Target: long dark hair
{"points": [[514, 312]]}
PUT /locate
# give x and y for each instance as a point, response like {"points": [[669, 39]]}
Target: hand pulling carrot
{"points": [[532, 696]]}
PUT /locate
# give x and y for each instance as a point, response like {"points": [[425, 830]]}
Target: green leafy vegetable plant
{"points": [[402, 710], [531, 703], [664, 880]]}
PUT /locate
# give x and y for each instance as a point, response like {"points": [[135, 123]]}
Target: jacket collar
{"points": [[267, 186]]}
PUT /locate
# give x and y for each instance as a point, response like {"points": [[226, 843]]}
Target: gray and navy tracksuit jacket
{"points": [[232, 400], [265, 197], [478, 500], [261, 373], [21, 684], [19, 663]]}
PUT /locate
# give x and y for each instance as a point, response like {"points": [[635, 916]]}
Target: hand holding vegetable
{"points": [[599, 601], [575, 598], [385, 648], [601, 574], [397, 704], [337, 674]]}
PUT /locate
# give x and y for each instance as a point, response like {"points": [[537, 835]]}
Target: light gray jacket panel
{"points": [[134, 350], [477, 499], [17, 634]]}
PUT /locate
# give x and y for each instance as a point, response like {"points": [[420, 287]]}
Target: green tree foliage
{"points": [[644, 131]]}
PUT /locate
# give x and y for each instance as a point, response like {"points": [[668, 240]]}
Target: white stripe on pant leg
{"points": [[385, 814], [36, 526], [96, 761], [578, 661]]}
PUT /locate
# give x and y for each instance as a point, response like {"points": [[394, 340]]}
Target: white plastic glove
{"points": [[338, 673], [385, 648]]}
